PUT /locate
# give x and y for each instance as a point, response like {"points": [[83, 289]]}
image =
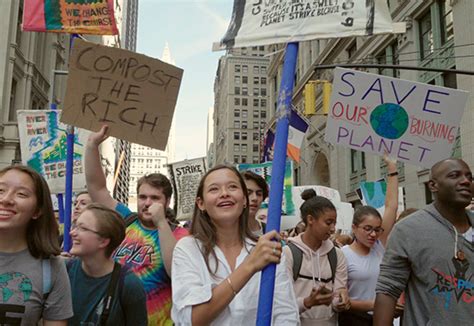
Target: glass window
{"points": [[237, 90], [237, 80], [263, 103], [244, 135], [256, 69], [447, 30], [263, 91], [255, 125], [255, 160], [245, 79], [244, 113], [245, 91], [244, 147], [255, 102], [245, 69], [263, 80], [256, 80], [245, 102], [236, 135], [237, 124], [263, 114], [236, 113], [255, 147], [426, 35], [263, 69], [256, 136], [353, 161], [236, 158], [244, 124], [255, 114], [237, 68], [263, 124], [244, 158], [255, 92], [236, 101], [236, 148]]}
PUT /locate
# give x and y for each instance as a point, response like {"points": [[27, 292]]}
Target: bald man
{"points": [[430, 256]]}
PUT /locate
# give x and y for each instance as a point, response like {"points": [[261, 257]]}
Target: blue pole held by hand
{"points": [[267, 283]]}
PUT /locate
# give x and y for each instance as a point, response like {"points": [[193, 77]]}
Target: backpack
{"points": [[298, 260]]}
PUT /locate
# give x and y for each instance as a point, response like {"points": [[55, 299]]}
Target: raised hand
{"points": [[96, 138], [267, 250], [156, 213]]}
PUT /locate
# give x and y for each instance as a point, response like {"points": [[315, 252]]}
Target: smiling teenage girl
{"points": [[216, 271], [33, 280]]}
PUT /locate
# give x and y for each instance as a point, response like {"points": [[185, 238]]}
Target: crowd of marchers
{"points": [[144, 268]]}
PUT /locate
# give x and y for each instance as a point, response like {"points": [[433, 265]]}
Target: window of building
{"points": [[255, 114], [263, 114], [263, 69], [237, 68], [426, 35], [236, 101], [389, 56], [263, 91], [244, 148], [236, 113], [244, 158], [237, 124], [255, 125], [237, 90], [447, 30], [245, 91], [256, 69], [236, 158], [255, 102], [255, 148], [245, 102], [236, 135], [245, 79], [236, 148], [244, 135], [12, 113], [245, 69], [263, 124], [255, 92], [261, 48], [255, 160], [244, 124], [263, 80], [244, 114], [256, 136], [263, 103], [256, 80], [237, 80]]}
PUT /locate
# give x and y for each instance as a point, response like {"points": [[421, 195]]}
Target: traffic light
{"points": [[310, 98], [327, 89]]}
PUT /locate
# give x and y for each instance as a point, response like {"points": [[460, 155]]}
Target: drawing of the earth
{"points": [[389, 120]]}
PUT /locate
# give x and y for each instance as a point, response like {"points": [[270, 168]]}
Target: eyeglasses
{"points": [[368, 229], [80, 228]]}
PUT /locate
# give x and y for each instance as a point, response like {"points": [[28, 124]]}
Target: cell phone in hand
{"points": [[324, 290]]}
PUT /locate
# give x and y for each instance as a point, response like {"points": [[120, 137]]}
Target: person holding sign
{"points": [[257, 191], [216, 271], [104, 292], [364, 255], [33, 280], [318, 268], [430, 255], [149, 239]]}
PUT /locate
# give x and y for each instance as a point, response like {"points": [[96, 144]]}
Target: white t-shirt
{"points": [[193, 284], [363, 271]]}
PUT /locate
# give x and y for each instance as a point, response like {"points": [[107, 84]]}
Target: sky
{"points": [[190, 27]]}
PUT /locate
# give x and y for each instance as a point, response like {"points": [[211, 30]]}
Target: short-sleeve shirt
{"points": [[140, 251], [128, 305], [363, 271], [22, 301]]}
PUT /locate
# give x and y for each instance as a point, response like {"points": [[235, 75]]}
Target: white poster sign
{"points": [[263, 22], [413, 122], [43, 148]]}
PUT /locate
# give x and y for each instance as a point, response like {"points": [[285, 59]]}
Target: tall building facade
{"points": [[146, 160], [27, 62], [439, 34], [240, 105]]}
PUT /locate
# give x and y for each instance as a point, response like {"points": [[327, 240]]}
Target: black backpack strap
{"points": [[332, 256], [110, 294], [297, 259]]}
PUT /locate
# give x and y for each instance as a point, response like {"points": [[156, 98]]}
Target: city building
{"points": [[210, 138], [146, 160], [240, 105], [439, 34], [27, 78]]}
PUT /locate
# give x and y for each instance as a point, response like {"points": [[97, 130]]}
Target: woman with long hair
{"points": [[216, 270], [318, 268], [365, 254], [104, 293], [33, 279]]}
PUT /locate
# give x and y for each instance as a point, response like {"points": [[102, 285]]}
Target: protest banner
{"points": [[43, 148], [413, 122], [260, 22], [373, 194], [70, 16], [185, 177], [132, 93], [265, 171], [344, 210]]}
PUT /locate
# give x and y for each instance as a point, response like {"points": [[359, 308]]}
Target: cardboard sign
{"points": [[132, 93], [270, 22], [43, 148], [185, 177], [413, 122]]}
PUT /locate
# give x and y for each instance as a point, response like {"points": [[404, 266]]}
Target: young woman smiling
{"points": [[216, 270]]}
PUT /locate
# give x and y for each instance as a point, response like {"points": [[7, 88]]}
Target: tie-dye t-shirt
{"points": [[140, 251]]}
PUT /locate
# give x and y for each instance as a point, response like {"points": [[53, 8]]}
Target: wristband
{"points": [[393, 174], [231, 286]]}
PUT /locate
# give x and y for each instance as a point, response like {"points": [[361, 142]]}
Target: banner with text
{"points": [[413, 122], [258, 22], [265, 170], [70, 16], [132, 93], [43, 148], [185, 177]]}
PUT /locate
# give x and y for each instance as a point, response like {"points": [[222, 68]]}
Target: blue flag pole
{"points": [[60, 197], [267, 283], [69, 175]]}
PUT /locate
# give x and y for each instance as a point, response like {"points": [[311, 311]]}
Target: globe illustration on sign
{"points": [[389, 120]]}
